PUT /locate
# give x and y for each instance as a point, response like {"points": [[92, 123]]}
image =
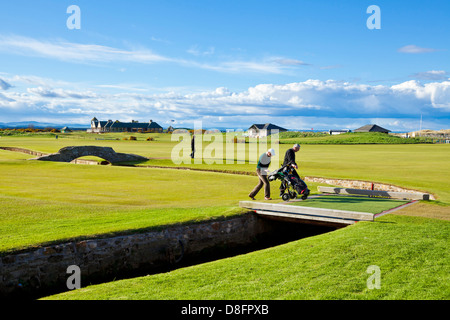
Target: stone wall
{"points": [[365, 185], [34, 153], [68, 154], [45, 268]]}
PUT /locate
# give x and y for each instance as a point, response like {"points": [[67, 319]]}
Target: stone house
{"points": [[264, 130], [372, 128]]}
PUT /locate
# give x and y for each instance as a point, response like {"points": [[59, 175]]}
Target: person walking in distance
{"points": [[192, 146], [262, 172]]}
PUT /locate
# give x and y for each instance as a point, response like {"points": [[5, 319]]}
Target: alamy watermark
{"points": [[374, 281], [73, 281], [200, 146], [374, 21], [74, 20]]}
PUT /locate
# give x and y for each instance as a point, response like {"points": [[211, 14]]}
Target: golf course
{"points": [[46, 203]]}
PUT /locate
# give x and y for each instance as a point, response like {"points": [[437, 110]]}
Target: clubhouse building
{"points": [[117, 126]]}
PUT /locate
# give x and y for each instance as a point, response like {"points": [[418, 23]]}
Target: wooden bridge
{"points": [[319, 216], [329, 217]]}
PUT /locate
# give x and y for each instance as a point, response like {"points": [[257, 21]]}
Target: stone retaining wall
{"points": [[365, 185], [45, 268], [27, 151]]}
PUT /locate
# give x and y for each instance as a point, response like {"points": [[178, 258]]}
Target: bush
{"points": [[301, 134], [150, 139], [133, 138]]}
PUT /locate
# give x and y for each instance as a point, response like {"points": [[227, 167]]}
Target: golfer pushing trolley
{"points": [[262, 172], [291, 183]]}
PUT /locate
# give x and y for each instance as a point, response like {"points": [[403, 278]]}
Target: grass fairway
{"points": [[412, 254], [416, 166], [419, 167], [45, 202], [351, 203]]}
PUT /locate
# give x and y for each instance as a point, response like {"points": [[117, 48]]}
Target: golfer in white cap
{"points": [[262, 171]]}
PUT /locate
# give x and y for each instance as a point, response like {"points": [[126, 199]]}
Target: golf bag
{"points": [[293, 185]]}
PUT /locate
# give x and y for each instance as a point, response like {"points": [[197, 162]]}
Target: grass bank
{"points": [[410, 252], [346, 138]]}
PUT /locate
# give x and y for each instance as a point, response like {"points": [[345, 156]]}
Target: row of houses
{"points": [[255, 130], [260, 130], [263, 130]]}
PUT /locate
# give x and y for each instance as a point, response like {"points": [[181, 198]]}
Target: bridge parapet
{"points": [[69, 154]]}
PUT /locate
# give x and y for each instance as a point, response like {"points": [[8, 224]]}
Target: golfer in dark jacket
{"points": [[262, 171], [289, 161], [192, 146]]}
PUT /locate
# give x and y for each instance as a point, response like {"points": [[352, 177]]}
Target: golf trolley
{"points": [[293, 185]]}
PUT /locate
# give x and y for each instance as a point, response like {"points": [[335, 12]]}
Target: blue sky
{"points": [[298, 64]]}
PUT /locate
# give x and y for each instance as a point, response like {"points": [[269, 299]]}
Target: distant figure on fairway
{"points": [[262, 172], [289, 161], [192, 146]]}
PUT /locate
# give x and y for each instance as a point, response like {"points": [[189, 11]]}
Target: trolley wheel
{"points": [[285, 196], [305, 195]]}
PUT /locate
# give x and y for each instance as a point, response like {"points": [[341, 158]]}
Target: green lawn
{"points": [[416, 166], [351, 203], [419, 167], [44, 202], [412, 254]]}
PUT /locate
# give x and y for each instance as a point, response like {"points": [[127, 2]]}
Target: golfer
{"points": [[289, 161], [262, 172], [193, 146]]}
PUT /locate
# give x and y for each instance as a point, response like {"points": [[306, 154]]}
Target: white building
{"points": [[263, 130]]}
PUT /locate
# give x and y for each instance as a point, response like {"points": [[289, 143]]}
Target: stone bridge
{"points": [[69, 154]]}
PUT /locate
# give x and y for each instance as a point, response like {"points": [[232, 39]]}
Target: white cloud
{"points": [[290, 62], [270, 67], [61, 93], [75, 52], [436, 75], [436, 94], [415, 49], [196, 51], [93, 53], [308, 104]]}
